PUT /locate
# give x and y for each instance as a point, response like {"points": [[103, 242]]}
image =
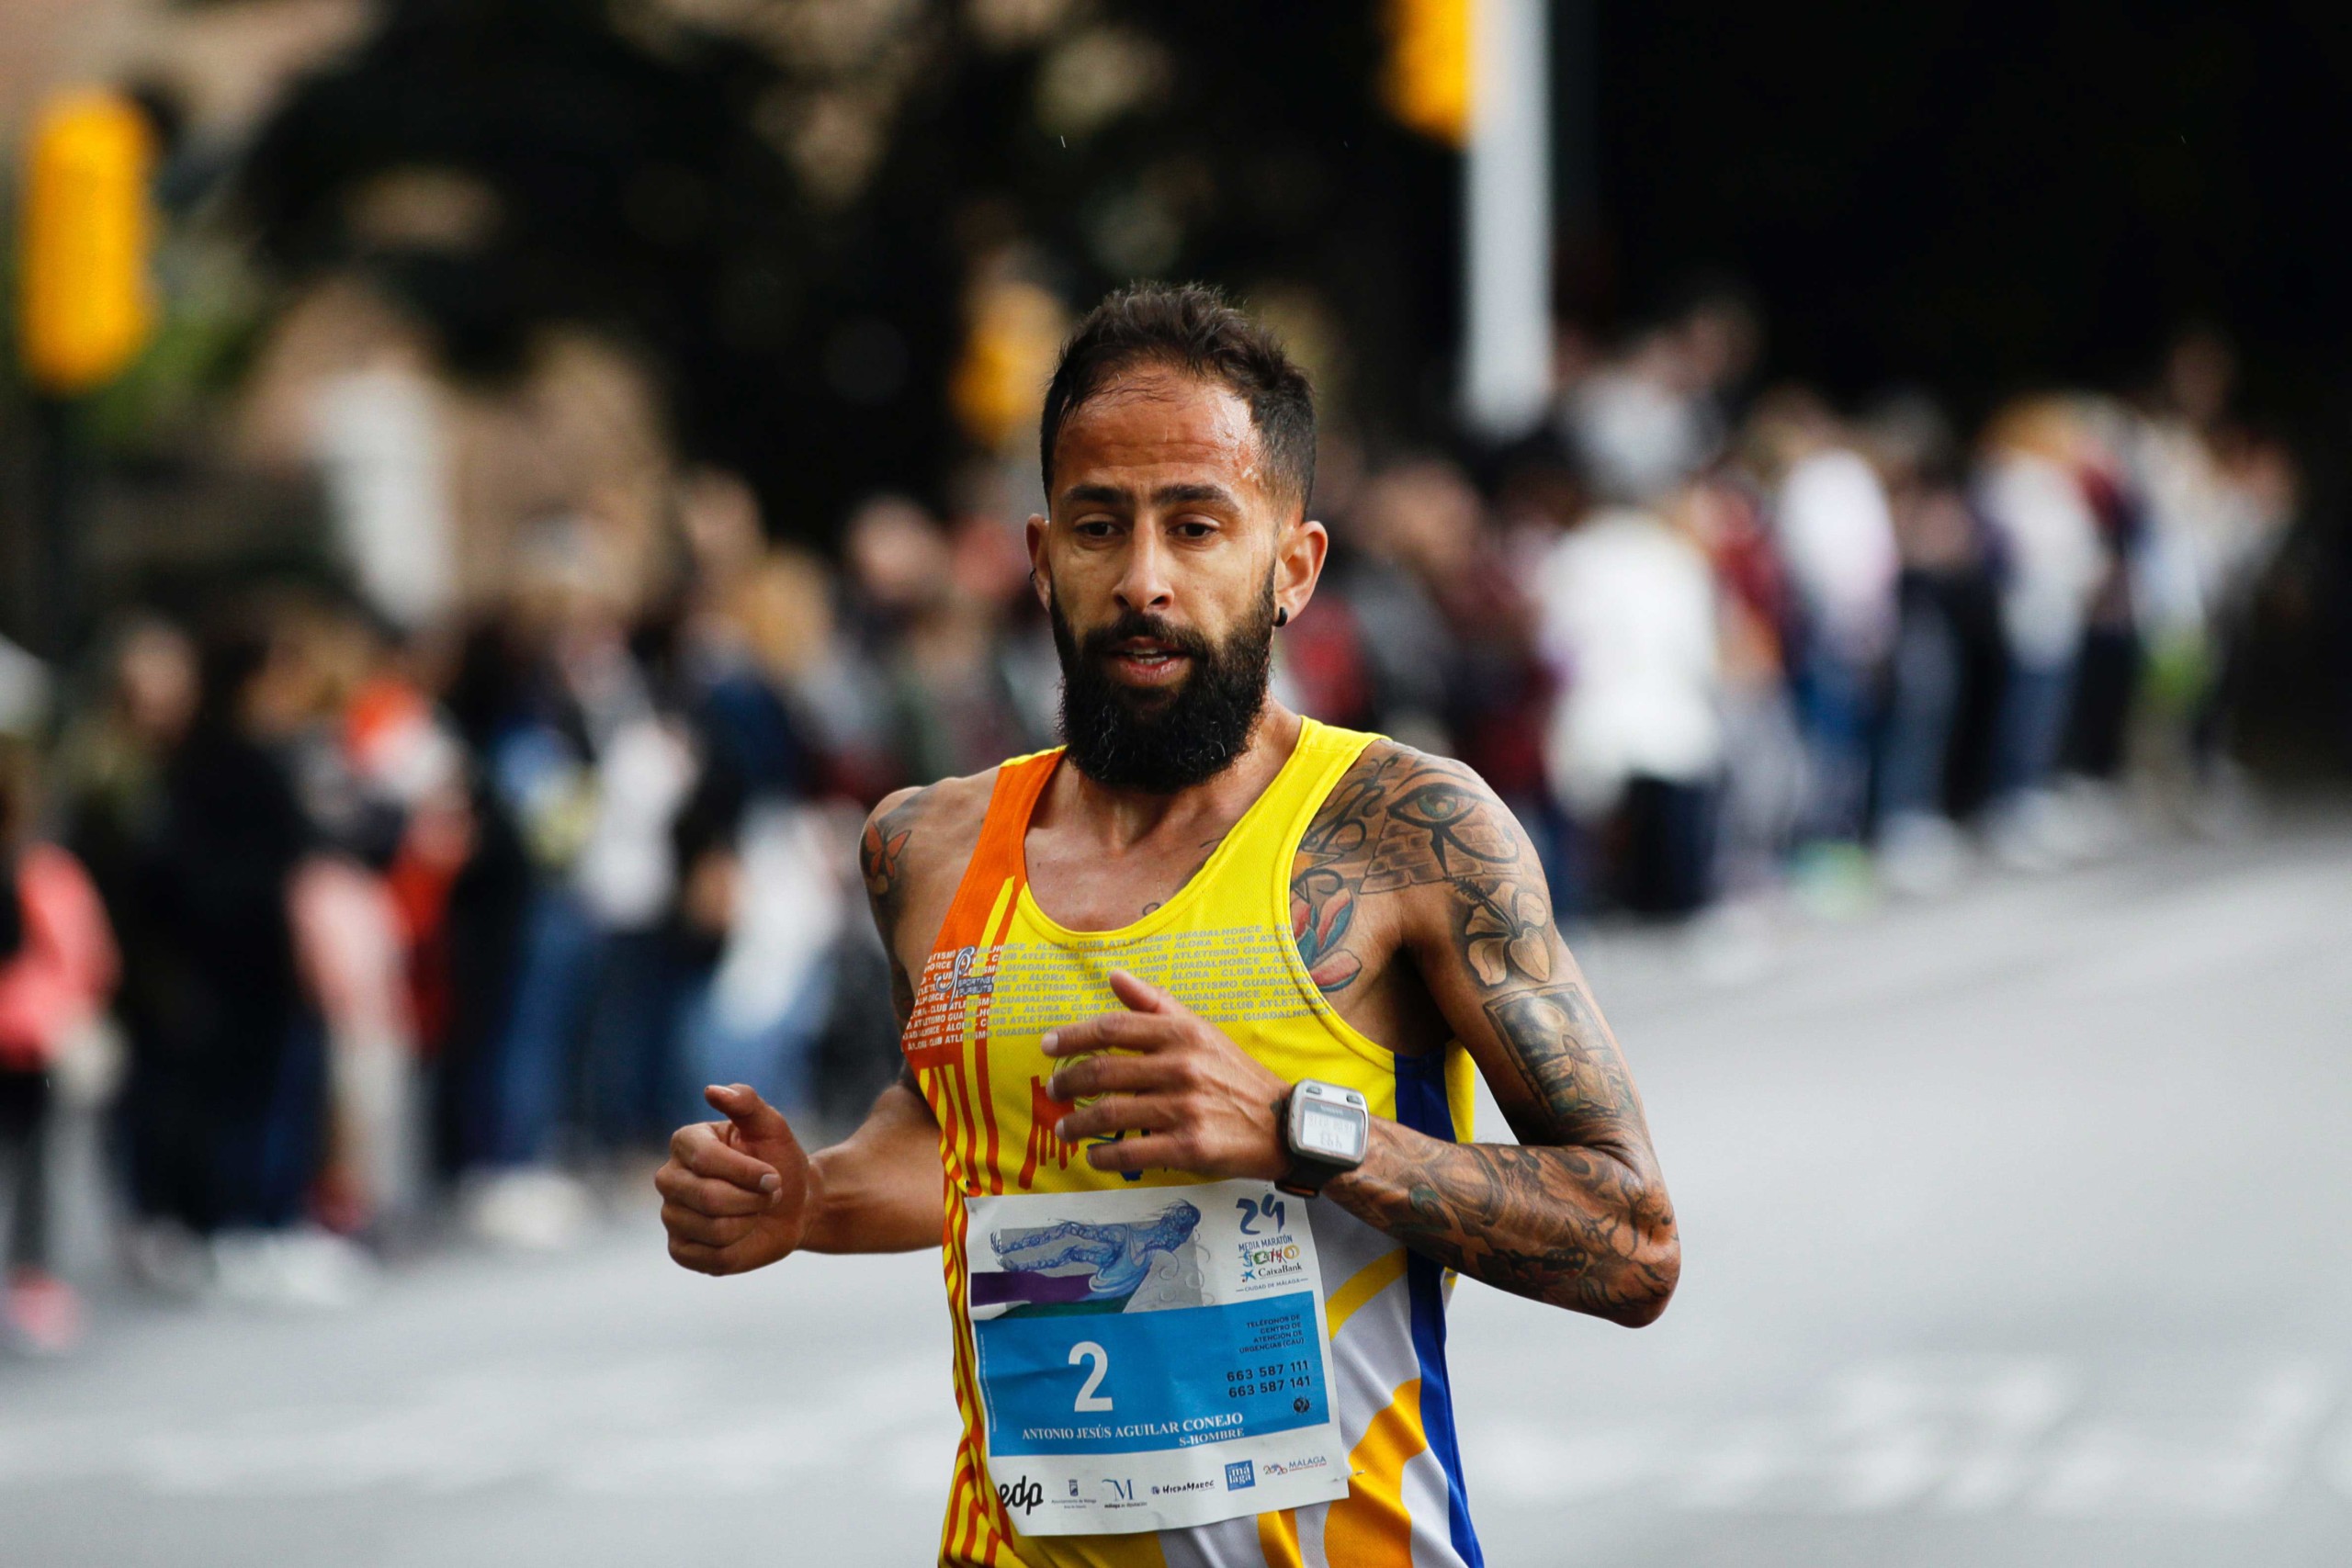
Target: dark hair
{"points": [[1189, 327]]}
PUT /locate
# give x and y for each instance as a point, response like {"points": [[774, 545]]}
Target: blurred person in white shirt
{"points": [[1660, 413], [2217, 502], [1835, 533], [1638, 426], [2050, 563], [1629, 619]]}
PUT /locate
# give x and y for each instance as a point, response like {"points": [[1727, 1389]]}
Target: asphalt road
{"points": [[2018, 1230]]}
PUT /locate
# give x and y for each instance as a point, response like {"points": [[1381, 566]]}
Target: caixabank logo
{"points": [[1240, 1474], [1276, 1258]]}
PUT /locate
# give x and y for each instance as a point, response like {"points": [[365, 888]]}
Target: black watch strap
{"points": [[1304, 1180]]}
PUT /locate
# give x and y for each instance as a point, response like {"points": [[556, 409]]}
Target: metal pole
{"points": [[60, 513], [1506, 316], [1575, 130]]}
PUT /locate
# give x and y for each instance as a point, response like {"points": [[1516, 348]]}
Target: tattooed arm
{"points": [[1415, 855], [879, 1187], [882, 863]]}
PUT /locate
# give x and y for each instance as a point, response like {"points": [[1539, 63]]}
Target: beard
{"points": [[1171, 738]]}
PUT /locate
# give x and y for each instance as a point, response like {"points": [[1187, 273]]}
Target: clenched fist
{"points": [[734, 1194]]}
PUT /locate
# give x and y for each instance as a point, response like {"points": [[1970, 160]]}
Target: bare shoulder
{"points": [[1408, 818], [911, 856], [1411, 850], [917, 837]]}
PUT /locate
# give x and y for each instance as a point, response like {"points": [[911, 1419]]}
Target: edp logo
{"points": [[1023, 1493]]}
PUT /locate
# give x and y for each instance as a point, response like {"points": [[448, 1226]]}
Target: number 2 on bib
{"points": [[1087, 1350]]}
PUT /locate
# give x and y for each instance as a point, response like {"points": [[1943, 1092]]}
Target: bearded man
{"points": [[1190, 1009]]}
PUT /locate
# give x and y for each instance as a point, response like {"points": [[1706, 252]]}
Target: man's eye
{"points": [[1194, 530]]}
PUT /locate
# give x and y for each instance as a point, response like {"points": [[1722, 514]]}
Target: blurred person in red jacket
{"points": [[58, 968]]}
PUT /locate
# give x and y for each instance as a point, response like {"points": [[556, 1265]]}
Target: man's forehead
{"points": [[1147, 427]]}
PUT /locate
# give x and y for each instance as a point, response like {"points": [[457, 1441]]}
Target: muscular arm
{"points": [[877, 1191], [1576, 1213]]}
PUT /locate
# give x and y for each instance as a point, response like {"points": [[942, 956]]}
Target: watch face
{"points": [[1333, 1134]]}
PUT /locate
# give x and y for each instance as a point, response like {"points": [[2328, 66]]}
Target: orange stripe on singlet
{"points": [[1371, 1527], [960, 969], [1002, 926], [957, 1527], [965, 1150], [976, 1522], [947, 1103], [962, 1506], [946, 1041], [1278, 1539]]}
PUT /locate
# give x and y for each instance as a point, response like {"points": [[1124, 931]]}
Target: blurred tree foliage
{"points": [[782, 202]]}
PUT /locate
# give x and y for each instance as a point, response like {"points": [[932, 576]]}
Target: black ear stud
{"points": [[1281, 616]]}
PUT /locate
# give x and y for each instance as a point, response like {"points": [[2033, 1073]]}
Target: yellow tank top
{"points": [[1002, 973]]}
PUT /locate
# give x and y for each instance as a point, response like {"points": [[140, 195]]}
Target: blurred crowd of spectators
{"points": [[329, 937]]}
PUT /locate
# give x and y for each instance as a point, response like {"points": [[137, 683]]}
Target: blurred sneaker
{"points": [[44, 1312], [2224, 809], [2022, 834], [1921, 855], [304, 1270], [1832, 881], [167, 1257], [2094, 820], [530, 1210]]}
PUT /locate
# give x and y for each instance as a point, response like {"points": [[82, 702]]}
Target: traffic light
{"points": [[85, 304], [999, 384], [1427, 84]]}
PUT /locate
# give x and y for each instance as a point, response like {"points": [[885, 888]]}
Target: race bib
{"points": [[1151, 1358]]}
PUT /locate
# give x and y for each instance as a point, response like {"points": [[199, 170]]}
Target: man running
{"points": [[1190, 1012]]}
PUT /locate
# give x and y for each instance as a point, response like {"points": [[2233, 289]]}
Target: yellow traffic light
{"points": [[998, 385], [86, 303], [1427, 85]]}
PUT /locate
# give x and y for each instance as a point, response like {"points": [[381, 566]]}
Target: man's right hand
{"points": [[735, 1194]]}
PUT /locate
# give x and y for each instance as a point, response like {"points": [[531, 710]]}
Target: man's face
{"points": [[1166, 556]]}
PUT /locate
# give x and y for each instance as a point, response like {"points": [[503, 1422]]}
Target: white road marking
{"points": [[1954, 1436]]}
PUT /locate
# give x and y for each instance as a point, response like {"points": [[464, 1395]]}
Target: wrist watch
{"points": [[1325, 1130]]}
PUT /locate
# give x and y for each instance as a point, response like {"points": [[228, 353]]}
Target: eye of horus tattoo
{"points": [[1401, 820]]}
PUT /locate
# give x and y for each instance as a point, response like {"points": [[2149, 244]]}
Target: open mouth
{"points": [[1147, 660]]}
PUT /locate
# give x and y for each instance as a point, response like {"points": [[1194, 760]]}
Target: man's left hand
{"points": [[1185, 1097]]}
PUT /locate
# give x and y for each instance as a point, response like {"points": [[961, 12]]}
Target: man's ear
{"points": [[1038, 578], [1298, 565]]}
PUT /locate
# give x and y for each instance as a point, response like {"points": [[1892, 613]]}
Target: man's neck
{"points": [[1122, 818]]}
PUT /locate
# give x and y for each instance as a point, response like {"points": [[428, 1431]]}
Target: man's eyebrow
{"points": [[1196, 493], [1193, 494]]}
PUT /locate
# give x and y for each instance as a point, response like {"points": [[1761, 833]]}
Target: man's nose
{"points": [[1144, 585]]}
